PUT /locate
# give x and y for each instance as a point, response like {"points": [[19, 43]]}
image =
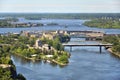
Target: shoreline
{"points": [[32, 59], [61, 64], [100, 27], [116, 54]]}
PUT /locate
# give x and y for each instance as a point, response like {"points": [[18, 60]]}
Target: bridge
{"points": [[88, 35], [89, 32], [78, 36], [99, 45]]}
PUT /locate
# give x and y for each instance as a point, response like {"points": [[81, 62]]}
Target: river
{"points": [[85, 63], [64, 24]]}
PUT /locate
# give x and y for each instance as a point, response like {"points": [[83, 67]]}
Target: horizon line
{"points": [[63, 12]]}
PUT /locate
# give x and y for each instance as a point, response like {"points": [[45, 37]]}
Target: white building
{"points": [[38, 43]]}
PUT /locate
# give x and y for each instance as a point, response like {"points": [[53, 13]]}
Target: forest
{"points": [[103, 23], [39, 16]]}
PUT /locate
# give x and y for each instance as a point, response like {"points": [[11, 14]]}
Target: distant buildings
{"points": [[95, 34], [53, 34], [61, 32], [32, 34], [111, 18], [25, 24], [18, 24], [49, 35]]}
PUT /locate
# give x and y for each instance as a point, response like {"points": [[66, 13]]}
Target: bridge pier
{"points": [[70, 48], [100, 49], [98, 45]]}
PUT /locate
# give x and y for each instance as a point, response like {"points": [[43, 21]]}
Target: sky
{"points": [[60, 6]]}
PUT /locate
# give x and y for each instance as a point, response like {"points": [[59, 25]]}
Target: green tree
{"points": [[63, 59]]}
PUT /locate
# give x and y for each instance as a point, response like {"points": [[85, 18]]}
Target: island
{"points": [[106, 22], [15, 23], [35, 45], [52, 24]]}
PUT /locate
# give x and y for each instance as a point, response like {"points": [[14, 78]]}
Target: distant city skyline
{"points": [[60, 6]]}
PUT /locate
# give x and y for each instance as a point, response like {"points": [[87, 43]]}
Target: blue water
{"points": [[72, 24], [85, 63]]}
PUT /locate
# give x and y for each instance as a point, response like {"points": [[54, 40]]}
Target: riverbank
{"points": [[116, 54], [32, 59], [115, 40], [43, 58], [61, 64]]}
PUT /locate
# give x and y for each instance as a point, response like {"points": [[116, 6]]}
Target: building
{"points": [[61, 32], [32, 34], [38, 43], [18, 24], [46, 46], [49, 35], [95, 34]]}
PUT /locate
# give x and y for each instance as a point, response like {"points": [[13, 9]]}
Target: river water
{"points": [[64, 24], [85, 63]]}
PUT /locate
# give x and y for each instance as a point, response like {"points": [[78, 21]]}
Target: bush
{"points": [[63, 59], [21, 77]]}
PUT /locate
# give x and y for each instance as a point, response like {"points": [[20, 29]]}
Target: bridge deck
{"points": [[87, 44], [99, 45], [87, 31]]}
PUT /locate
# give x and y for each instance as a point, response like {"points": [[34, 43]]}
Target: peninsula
{"points": [[37, 45]]}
